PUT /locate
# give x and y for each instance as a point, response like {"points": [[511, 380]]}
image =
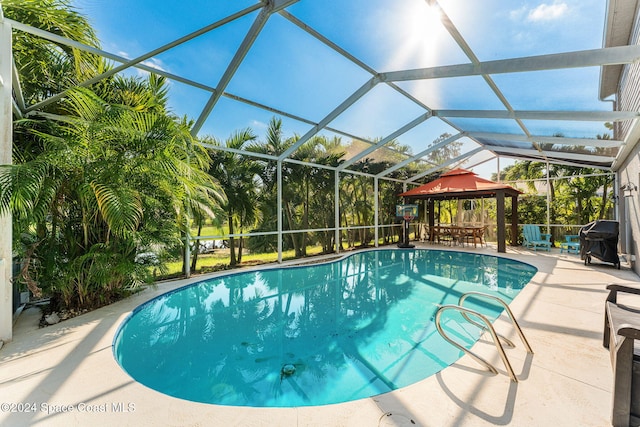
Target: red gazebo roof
{"points": [[459, 184]]}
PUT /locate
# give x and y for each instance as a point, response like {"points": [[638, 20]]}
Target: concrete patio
{"points": [[66, 375]]}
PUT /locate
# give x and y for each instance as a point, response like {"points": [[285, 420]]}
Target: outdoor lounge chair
{"points": [[534, 239], [571, 244], [621, 332]]}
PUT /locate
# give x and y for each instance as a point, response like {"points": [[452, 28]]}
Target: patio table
{"points": [[455, 234]]}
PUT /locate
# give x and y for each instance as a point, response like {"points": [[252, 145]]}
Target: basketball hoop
{"points": [[408, 215]]}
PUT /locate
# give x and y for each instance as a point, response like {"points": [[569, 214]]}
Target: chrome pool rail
{"points": [[516, 326], [487, 326]]}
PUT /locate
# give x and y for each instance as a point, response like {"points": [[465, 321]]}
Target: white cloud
{"points": [[151, 63], [256, 124], [154, 63], [548, 12]]}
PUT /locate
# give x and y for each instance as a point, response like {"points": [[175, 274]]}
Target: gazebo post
{"points": [[514, 220], [432, 216], [500, 219]]}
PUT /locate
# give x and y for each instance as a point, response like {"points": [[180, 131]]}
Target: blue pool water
{"points": [[311, 335]]}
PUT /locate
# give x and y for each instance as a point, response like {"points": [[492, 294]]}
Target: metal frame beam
{"points": [[532, 115], [151, 54], [312, 32], [473, 165], [463, 156], [62, 40], [541, 159], [420, 155], [561, 155], [557, 61], [6, 150], [359, 93], [415, 122], [72, 43], [631, 138], [594, 116], [17, 88], [453, 31], [290, 160], [559, 140], [293, 116], [243, 49]]}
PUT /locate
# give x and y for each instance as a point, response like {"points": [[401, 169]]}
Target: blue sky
{"points": [[288, 69]]}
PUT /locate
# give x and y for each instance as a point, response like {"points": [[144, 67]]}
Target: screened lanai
{"points": [[400, 80], [407, 71]]}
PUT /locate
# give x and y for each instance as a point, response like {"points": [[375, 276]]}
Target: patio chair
{"points": [[534, 239], [444, 235], [480, 236], [571, 244], [423, 231], [475, 235], [621, 332]]}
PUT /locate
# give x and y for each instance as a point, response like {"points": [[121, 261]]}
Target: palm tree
{"points": [[109, 183], [274, 145], [114, 176], [307, 193], [47, 68], [236, 176], [311, 184]]}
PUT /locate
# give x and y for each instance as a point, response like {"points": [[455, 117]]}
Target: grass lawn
{"points": [[220, 258], [211, 230]]}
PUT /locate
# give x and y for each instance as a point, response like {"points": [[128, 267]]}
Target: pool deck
{"points": [[65, 374]]}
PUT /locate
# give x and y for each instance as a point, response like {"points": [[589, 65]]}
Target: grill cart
{"points": [[599, 239]]}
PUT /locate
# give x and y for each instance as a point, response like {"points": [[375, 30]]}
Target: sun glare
{"points": [[424, 21], [417, 30]]}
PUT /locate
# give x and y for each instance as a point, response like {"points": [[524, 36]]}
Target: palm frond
{"points": [[120, 207]]}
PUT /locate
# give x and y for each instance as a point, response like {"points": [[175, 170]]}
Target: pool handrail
{"points": [[487, 326], [514, 322]]}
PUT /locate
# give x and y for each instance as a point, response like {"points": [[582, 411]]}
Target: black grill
{"points": [[599, 239]]}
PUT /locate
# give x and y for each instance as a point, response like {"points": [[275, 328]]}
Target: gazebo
{"points": [[462, 184]]}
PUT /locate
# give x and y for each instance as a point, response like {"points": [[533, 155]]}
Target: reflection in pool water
{"points": [[311, 335]]}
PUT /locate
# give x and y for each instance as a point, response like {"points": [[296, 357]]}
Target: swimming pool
{"points": [[311, 335]]}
